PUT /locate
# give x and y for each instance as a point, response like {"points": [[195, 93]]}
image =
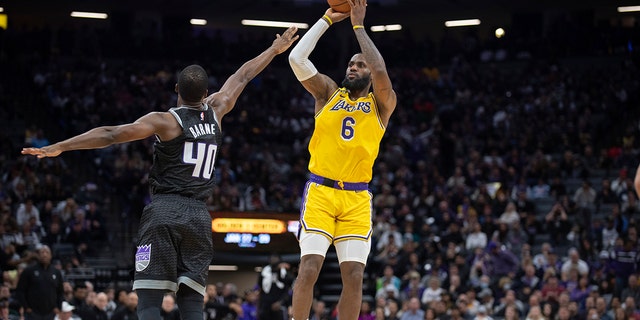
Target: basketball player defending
{"points": [[174, 247], [349, 124]]}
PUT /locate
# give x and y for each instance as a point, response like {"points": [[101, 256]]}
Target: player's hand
{"points": [[48, 151], [358, 10], [282, 43], [336, 16]]}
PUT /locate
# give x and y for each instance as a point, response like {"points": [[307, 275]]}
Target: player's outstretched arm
{"points": [[100, 137], [318, 84], [224, 100], [382, 87]]}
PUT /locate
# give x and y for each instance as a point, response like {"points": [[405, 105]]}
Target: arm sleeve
{"points": [[299, 56]]}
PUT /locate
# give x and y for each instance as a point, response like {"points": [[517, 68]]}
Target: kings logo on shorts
{"points": [[143, 257]]}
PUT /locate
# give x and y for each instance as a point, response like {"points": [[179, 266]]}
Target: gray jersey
{"points": [[185, 165]]}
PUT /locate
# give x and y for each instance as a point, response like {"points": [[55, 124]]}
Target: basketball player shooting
{"points": [[350, 121]]}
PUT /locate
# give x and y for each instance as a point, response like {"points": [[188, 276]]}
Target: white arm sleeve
{"points": [[299, 56]]}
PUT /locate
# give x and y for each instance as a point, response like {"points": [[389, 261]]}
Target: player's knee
{"points": [[310, 266], [352, 272]]}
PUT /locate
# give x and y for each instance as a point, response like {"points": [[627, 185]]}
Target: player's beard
{"points": [[357, 84]]}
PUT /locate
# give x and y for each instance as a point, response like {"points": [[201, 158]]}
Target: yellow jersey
{"points": [[346, 138]]}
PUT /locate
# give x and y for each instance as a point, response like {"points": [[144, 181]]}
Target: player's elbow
{"points": [[294, 58], [301, 66]]}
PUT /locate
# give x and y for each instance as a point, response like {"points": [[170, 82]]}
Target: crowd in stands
{"points": [[472, 151]]}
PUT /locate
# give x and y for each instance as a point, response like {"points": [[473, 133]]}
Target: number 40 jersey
{"points": [[346, 138], [185, 165]]}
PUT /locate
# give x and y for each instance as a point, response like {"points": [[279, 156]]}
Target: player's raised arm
{"points": [[224, 100], [318, 84], [382, 88], [100, 137]]}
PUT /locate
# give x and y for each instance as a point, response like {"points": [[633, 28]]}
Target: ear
{"points": [[176, 88]]}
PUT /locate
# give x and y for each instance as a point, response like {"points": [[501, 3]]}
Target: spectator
{"points": [[585, 196], [275, 283], [609, 234], [97, 311], [539, 191], [80, 293], [632, 290], [535, 313], [388, 276], [477, 238], [510, 215], [551, 290], [26, 211], [413, 311], [625, 259], [169, 310], [414, 287], [432, 293], [319, 311], [482, 314], [66, 312], [509, 301], [365, 312], [557, 224], [631, 308], [501, 262], [128, 310]]}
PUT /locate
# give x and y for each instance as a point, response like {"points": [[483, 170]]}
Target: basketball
{"points": [[339, 5]]}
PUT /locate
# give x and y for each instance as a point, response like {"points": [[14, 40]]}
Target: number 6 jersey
{"points": [[185, 165], [346, 139]]}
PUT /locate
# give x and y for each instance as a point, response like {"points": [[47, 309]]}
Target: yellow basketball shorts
{"points": [[338, 214]]}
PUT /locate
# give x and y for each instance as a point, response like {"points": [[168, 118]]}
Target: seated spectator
{"points": [[510, 215], [169, 311], [535, 313], [532, 227], [552, 289], [601, 309], [539, 191], [97, 310], [477, 238], [413, 288], [574, 262], [66, 312], [580, 292], [632, 290], [557, 224], [388, 276], [541, 259], [365, 312], [129, 309], [509, 300], [433, 292], [482, 314], [528, 282], [26, 211], [631, 308], [319, 311]]}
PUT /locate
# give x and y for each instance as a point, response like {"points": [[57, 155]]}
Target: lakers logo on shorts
{"points": [[143, 257]]}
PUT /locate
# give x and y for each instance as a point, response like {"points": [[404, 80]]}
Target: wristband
{"points": [[327, 19], [358, 26]]}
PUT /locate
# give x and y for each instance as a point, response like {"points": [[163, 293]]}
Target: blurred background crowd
{"points": [[503, 189]]}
